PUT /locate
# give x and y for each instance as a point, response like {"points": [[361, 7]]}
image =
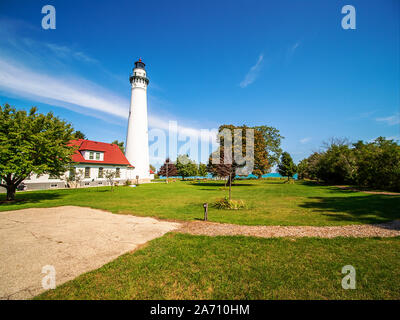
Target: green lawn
{"points": [[179, 266], [270, 202]]}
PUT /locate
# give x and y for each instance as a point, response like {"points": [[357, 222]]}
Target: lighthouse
{"points": [[137, 140]]}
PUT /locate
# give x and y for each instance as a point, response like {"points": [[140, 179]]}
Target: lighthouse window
{"points": [[117, 173]]}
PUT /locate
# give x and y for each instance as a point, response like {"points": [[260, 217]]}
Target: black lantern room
{"points": [[140, 64]]}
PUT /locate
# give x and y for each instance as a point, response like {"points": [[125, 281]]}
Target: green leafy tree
{"points": [[266, 147], [79, 135], [185, 166], [273, 141], [337, 165], [308, 168], [226, 165], [31, 142], [378, 164], [202, 170], [120, 144], [286, 167]]}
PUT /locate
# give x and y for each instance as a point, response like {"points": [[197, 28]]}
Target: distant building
{"points": [[91, 161]]}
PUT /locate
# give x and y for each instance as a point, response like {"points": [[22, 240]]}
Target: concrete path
{"points": [[72, 239]]}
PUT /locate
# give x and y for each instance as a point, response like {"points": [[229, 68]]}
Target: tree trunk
{"points": [[11, 192], [230, 186]]}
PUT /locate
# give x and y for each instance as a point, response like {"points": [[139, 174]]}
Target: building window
{"points": [[117, 173], [91, 155], [87, 172], [97, 155], [72, 173], [101, 172]]}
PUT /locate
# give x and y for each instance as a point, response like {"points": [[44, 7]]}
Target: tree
{"points": [[337, 164], [286, 167], [262, 163], [31, 142], [120, 145], [74, 176], [202, 171], [79, 135], [378, 164], [185, 166], [308, 168], [266, 140], [110, 175], [168, 169], [273, 141], [152, 168], [226, 169]]}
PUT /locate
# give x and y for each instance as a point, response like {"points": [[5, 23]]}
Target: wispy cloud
{"points": [[391, 120], [291, 51], [78, 94], [252, 75], [295, 46], [75, 90], [41, 72], [66, 52], [304, 140]]}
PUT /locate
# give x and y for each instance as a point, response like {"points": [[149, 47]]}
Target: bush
{"points": [[373, 164], [127, 183], [225, 203]]}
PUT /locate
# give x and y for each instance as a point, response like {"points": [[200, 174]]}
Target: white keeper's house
{"points": [[92, 159]]}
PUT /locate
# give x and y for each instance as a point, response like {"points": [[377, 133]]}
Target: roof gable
{"points": [[112, 153]]}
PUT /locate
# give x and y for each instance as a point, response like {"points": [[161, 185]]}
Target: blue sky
{"points": [[287, 64]]}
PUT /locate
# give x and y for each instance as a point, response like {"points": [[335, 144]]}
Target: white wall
{"points": [[94, 172]]}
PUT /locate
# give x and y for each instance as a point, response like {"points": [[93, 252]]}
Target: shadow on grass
{"points": [[362, 209], [29, 197]]}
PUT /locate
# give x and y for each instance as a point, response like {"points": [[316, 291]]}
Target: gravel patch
{"points": [[389, 229]]}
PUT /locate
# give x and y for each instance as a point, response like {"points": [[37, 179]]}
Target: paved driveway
{"points": [[72, 239]]}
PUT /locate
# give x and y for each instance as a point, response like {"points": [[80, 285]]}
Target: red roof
{"points": [[112, 153]]}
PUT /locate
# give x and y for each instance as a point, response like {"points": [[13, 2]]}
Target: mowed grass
{"points": [[179, 266], [269, 202]]}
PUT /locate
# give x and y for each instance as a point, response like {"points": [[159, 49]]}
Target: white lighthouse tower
{"points": [[137, 141]]}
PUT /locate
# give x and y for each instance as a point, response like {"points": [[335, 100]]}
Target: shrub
{"points": [[127, 183], [225, 203]]}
